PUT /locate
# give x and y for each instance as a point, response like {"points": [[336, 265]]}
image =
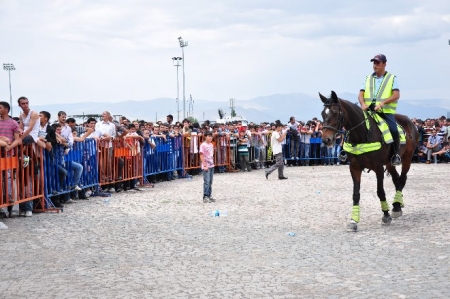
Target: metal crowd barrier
{"points": [[120, 160], [314, 150], [167, 155], [21, 178], [61, 164]]}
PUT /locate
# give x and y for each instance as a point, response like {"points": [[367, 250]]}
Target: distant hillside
{"points": [[264, 108]]}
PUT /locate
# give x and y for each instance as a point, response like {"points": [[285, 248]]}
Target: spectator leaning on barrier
{"points": [[207, 162], [29, 123], [46, 132], [9, 139], [276, 140], [305, 137], [243, 151]]}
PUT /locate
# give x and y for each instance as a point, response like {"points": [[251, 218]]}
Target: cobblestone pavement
{"points": [[161, 243]]}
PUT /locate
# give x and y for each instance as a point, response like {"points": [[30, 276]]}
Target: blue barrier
{"points": [[314, 150], [165, 157], [61, 167]]}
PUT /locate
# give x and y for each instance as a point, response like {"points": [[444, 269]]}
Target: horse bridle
{"points": [[340, 121]]}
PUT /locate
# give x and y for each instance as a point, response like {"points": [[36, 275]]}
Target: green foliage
{"points": [[192, 119], [233, 113]]}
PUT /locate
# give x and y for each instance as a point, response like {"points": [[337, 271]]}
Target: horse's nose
{"points": [[326, 141]]}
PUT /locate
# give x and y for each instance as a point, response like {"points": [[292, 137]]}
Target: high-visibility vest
{"points": [[384, 92]]}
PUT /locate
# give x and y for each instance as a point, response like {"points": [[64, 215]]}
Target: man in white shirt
{"points": [[277, 149]]}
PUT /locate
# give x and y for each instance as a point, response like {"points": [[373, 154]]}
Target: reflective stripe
{"points": [[384, 92], [386, 79], [362, 148], [355, 213]]}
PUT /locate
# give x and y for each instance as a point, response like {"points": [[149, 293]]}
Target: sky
{"points": [[110, 51]]}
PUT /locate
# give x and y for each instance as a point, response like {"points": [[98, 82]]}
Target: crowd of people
{"points": [[250, 143]]}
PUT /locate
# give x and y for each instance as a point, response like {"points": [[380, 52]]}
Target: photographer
{"points": [[294, 138], [305, 141]]}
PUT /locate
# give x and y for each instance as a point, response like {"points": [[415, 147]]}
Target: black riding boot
{"points": [[396, 160]]}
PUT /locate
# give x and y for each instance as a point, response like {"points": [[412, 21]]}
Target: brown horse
{"points": [[338, 113]]}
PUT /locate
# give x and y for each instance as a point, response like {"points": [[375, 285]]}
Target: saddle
{"points": [[362, 148]]}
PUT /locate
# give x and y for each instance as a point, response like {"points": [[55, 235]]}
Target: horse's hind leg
{"points": [[386, 220], [399, 183]]}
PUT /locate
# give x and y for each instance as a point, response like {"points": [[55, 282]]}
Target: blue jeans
{"points": [[328, 158], [208, 181], [304, 153], [392, 124], [26, 206], [337, 150], [77, 169]]}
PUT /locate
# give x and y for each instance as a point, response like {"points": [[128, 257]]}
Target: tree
{"points": [[192, 119], [233, 113]]}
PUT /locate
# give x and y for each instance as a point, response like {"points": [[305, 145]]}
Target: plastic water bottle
{"points": [[189, 177], [318, 192], [218, 213], [106, 201], [291, 234]]}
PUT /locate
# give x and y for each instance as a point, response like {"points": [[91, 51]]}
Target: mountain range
{"points": [[259, 109]]}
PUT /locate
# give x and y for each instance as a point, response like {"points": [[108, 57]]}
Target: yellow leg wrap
{"points": [[355, 213], [384, 206], [399, 198]]}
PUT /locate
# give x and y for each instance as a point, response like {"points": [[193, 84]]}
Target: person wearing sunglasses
{"points": [[380, 92]]}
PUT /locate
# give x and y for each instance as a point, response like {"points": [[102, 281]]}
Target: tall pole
{"points": [[176, 62], [182, 45], [9, 67]]}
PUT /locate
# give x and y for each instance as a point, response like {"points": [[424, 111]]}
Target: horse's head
{"points": [[332, 117]]}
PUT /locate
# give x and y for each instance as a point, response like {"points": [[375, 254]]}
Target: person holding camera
{"points": [[294, 138], [276, 141]]}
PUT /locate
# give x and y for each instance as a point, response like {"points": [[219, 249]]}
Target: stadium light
{"points": [[182, 45], [9, 67], [176, 62]]}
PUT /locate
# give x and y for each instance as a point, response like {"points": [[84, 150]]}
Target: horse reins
{"points": [[340, 121]]}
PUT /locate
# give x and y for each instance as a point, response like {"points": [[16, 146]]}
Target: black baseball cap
{"points": [[379, 57]]}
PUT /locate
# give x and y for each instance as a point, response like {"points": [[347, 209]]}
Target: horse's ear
{"points": [[324, 99], [334, 96]]}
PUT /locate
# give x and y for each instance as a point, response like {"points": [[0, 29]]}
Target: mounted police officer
{"points": [[380, 92]]}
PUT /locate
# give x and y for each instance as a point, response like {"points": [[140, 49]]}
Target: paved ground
{"points": [[161, 243]]}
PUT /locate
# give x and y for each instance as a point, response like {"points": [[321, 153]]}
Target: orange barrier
{"points": [[21, 178], [222, 151], [191, 147], [119, 160]]}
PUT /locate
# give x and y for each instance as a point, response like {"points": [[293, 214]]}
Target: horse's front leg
{"points": [[354, 220], [387, 219]]}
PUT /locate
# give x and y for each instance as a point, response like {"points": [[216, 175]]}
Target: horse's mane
{"points": [[352, 108]]}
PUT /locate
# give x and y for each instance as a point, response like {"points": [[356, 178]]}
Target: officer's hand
{"points": [[378, 107], [364, 107]]}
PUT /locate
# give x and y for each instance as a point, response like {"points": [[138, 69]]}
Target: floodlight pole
{"points": [[9, 67], [182, 45], [176, 62]]}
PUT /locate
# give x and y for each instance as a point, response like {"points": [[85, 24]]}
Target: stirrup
{"points": [[396, 160], [342, 156]]}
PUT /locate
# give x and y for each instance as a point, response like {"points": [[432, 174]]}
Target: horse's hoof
{"points": [[352, 227], [386, 220], [396, 214]]}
